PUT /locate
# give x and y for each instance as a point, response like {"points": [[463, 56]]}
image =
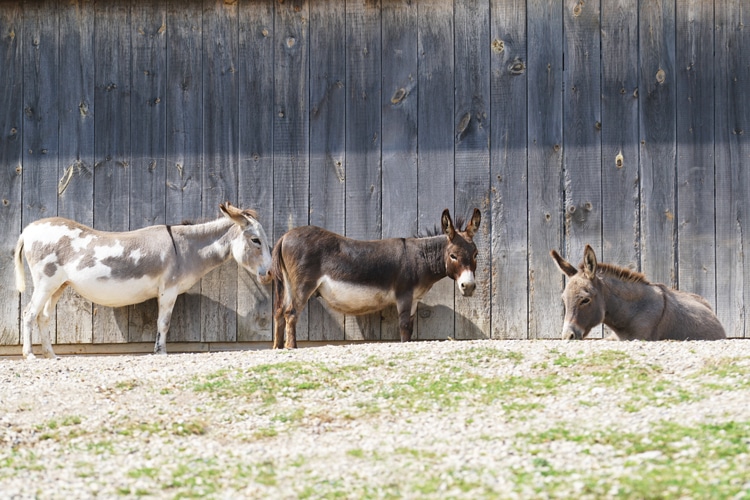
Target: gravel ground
{"points": [[469, 419]]}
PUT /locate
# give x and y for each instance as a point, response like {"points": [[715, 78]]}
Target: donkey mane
{"points": [[248, 212], [619, 272], [437, 230]]}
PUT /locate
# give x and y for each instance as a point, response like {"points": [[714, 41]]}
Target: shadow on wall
{"points": [[253, 318], [389, 331]]}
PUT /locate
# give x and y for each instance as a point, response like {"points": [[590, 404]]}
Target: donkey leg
{"points": [[43, 322], [298, 301], [290, 315], [405, 318], [29, 319], [166, 305], [39, 298], [279, 324]]}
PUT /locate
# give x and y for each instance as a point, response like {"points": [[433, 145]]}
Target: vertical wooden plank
{"points": [[40, 111], [695, 149], [291, 125], [545, 186], [509, 173], [11, 145], [40, 151], [732, 175], [75, 98], [148, 135], [220, 154], [582, 126], [435, 172], [657, 119], [471, 129], [327, 141], [399, 116], [363, 139], [184, 143], [148, 124], [112, 147], [254, 315], [620, 184], [582, 139]]}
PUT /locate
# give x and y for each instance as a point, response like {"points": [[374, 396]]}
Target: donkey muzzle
{"points": [[570, 332], [466, 283], [265, 277]]}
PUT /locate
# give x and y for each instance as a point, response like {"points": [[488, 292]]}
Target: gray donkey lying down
{"points": [[631, 306]]}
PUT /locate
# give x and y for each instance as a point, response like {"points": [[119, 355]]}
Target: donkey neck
{"points": [[630, 304], [432, 253], [206, 245]]}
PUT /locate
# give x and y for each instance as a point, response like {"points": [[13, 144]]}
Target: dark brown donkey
{"points": [[631, 306], [360, 277]]}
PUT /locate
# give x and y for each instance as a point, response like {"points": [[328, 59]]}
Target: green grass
{"points": [[669, 461], [442, 386], [245, 414]]}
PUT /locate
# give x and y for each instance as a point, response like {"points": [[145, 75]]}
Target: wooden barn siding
{"points": [[565, 122]]}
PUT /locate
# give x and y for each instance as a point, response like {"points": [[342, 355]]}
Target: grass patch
{"points": [[479, 356], [159, 428], [645, 384], [445, 390], [671, 461], [724, 374], [443, 386], [264, 382]]}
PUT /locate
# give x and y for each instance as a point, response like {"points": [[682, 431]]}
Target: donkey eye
{"points": [[256, 241], [453, 256], [585, 301], [476, 254]]}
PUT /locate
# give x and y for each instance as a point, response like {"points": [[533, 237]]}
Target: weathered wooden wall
{"points": [[565, 122]]}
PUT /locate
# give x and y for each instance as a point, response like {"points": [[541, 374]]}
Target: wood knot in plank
{"points": [[498, 46], [578, 8], [517, 67], [619, 160], [463, 124], [661, 75], [338, 166], [398, 96]]}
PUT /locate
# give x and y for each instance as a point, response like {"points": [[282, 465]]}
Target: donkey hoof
{"points": [[29, 355]]}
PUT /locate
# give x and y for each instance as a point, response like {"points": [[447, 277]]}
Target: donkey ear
{"points": [[589, 262], [233, 213], [476, 218], [563, 265], [448, 224]]}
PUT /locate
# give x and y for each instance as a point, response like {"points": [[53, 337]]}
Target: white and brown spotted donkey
{"points": [[119, 269]]}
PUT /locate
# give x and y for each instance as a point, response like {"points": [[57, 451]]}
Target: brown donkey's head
{"points": [[584, 304], [461, 253]]}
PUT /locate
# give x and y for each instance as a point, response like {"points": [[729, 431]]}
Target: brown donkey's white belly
{"points": [[351, 298]]}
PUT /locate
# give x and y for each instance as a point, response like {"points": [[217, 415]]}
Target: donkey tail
{"points": [[277, 272], [18, 259]]}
